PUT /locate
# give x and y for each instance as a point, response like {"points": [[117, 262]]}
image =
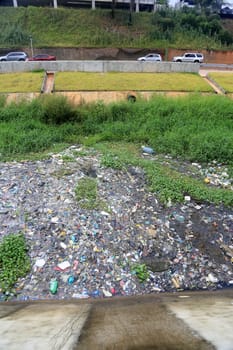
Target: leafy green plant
{"points": [[141, 271], [14, 261], [111, 161], [86, 193]]}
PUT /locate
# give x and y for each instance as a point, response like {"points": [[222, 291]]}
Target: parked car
{"points": [[189, 57], [42, 57], [154, 57], [14, 56]]}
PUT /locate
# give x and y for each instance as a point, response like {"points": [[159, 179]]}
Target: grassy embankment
{"points": [[71, 81], [65, 27], [224, 80], [194, 128], [21, 82]]}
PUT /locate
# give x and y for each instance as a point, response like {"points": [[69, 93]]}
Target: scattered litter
{"points": [[91, 253], [211, 278], [107, 293], [53, 286], [40, 263], [63, 266]]}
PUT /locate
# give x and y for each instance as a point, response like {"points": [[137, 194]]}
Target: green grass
{"points": [[194, 128], [68, 81], [21, 82], [86, 193], [76, 27], [80, 81], [223, 79]]}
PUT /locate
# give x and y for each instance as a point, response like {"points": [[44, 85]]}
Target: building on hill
{"points": [[139, 5], [227, 9]]}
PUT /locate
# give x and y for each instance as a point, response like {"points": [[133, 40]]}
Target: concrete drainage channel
{"points": [[181, 321], [48, 83]]}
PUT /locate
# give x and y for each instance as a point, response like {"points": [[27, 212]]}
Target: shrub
{"points": [[56, 109]]}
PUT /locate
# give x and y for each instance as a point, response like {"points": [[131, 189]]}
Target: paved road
{"points": [[217, 66], [180, 321]]}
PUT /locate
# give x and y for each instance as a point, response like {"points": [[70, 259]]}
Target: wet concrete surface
{"points": [[189, 321]]}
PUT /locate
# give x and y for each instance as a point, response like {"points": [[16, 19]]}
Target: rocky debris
{"points": [[133, 245]]}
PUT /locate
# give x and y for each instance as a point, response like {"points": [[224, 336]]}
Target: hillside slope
{"points": [[65, 27]]}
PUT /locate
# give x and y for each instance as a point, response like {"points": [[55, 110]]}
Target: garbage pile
{"points": [[130, 245]]}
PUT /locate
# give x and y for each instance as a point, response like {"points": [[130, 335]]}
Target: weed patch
{"points": [[141, 271], [87, 195], [14, 261]]}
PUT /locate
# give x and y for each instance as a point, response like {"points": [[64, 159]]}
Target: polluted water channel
{"points": [[130, 244]]}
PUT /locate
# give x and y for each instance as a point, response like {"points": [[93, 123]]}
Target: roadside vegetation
{"points": [[66, 27], [21, 82], [194, 128], [81, 81], [223, 79]]}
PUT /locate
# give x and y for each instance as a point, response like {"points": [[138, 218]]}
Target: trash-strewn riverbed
{"points": [[132, 246]]}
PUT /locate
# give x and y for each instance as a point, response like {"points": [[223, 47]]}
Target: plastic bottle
{"points": [[53, 286], [71, 279], [148, 150]]}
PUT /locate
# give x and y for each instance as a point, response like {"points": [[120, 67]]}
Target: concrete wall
{"points": [[100, 66], [79, 97]]}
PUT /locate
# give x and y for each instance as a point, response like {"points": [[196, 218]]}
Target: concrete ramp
{"points": [[177, 321], [48, 83], [42, 326]]}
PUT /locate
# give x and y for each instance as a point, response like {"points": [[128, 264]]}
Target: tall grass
{"points": [[84, 28], [193, 128]]}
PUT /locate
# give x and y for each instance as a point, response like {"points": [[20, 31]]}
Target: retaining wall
{"points": [[100, 66]]}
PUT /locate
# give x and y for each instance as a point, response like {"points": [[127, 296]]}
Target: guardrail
{"points": [[100, 66]]}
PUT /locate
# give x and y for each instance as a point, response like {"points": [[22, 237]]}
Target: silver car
{"points": [[14, 56], [189, 57], [153, 57]]}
